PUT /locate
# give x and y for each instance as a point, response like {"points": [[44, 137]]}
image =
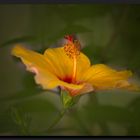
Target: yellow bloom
{"points": [[70, 69]]}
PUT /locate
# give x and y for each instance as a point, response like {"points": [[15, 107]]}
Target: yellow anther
{"points": [[72, 49]]}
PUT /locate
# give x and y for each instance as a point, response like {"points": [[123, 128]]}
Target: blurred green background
{"points": [[110, 34]]}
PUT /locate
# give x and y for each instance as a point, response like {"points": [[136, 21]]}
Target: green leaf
{"points": [[134, 128], [39, 109], [75, 29], [8, 127], [106, 113], [18, 40]]}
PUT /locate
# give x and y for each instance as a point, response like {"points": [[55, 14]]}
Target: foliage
{"points": [[109, 34]]}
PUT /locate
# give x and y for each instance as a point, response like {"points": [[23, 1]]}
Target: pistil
{"points": [[72, 49], [74, 69]]}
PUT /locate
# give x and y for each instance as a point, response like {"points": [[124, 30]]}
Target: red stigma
{"points": [[69, 38]]}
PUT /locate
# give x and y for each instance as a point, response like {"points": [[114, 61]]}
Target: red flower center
{"points": [[67, 79]]}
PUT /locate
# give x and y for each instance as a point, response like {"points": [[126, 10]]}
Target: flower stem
{"points": [[56, 121]]}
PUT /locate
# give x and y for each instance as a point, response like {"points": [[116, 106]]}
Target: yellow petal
{"points": [[31, 57], [103, 77], [63, 65], [38, 64]]}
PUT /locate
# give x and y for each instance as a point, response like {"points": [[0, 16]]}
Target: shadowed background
{"points": [[109, 34]]}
